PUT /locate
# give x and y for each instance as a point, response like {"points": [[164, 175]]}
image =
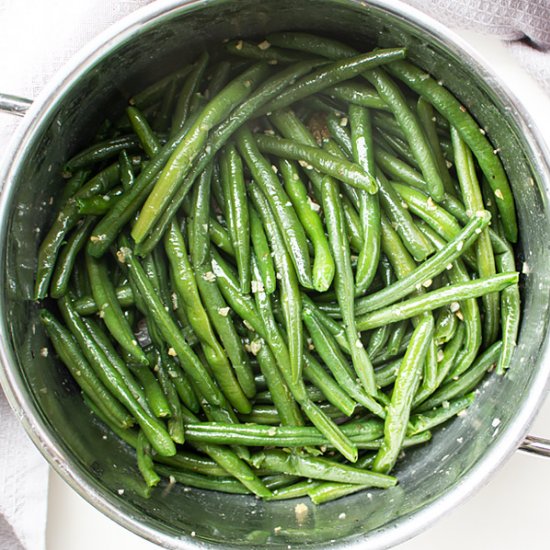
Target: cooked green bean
{"points": [[435, 299], [406, 383]]}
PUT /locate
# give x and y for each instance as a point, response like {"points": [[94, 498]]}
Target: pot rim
{"points": [[12, 380]]}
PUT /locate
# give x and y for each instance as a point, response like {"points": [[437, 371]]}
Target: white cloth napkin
{"points": [[38, 37]]}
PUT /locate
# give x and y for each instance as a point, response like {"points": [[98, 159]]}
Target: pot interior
{"points": [[98, 464]]}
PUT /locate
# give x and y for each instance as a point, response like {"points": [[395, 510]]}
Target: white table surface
{"points": [[509, 513]]}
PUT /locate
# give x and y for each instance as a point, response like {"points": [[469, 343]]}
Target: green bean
{"points": [[426, 116], [357, 94], [467, 381], [425, 272], [74, 183], [68, 350], [175, 420], [112, 379], [188, 149], [298, 489], [377, 340], [219, 76], [256, 435], [402, 221], [343, 170], [287, 221], [236, 208], [469, 131], [191, 479], [398, 169], [267, 53], [109, 309], [319, 468], [363, 154], [344, 283], [65, 220], [166, 107], [337, 364], [153, 392], [146, 136], [396, 338], [190, 87], [145, 462], [510, 311], [290, 293], [334, 73], [188, 294], [430, 419], [215, 305], [468, 311], [262, 252], [65, 263], [306, 209], [86, 305], [435, 299], [126, 170], [405, 386], [101, 151], [445, 326], [330, 390], [170, 331], [473, 201], [270, 88]]}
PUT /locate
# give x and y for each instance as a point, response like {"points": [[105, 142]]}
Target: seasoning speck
{"points": [[264, 45], [223, 311], [120, 492], [342, 515], [301, 511], [495, 422], [209, 277], [498, 194], [239, 45], [44, 352], [172, 352]]}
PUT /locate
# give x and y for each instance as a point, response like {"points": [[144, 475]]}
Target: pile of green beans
{"points": [[286, 261]]}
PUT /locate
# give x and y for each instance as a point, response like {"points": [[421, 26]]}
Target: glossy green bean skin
{"points": [[101, 151], [64, 267], [473, 201], [145, 462], [143, 130], [170, 331], [109, 309], [406, 383], [363, 154], [232, 178], [215, 305], [320, 468], [67, 348], [190, 87], [323, 263], [154, 430], [357, 94], [290, 293], [289, 225], [437, 298], [65, 220], [332, 74], [344, 284], [270, 88], [86, 305], [262, 252], [339, 168], [186, 287], [187, 150]]}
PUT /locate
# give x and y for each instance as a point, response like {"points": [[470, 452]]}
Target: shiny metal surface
{"points": [[536, 445], [433, 479], [14, 105]]}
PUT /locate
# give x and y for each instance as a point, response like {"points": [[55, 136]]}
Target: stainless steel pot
{"points": [[433, 479]]}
